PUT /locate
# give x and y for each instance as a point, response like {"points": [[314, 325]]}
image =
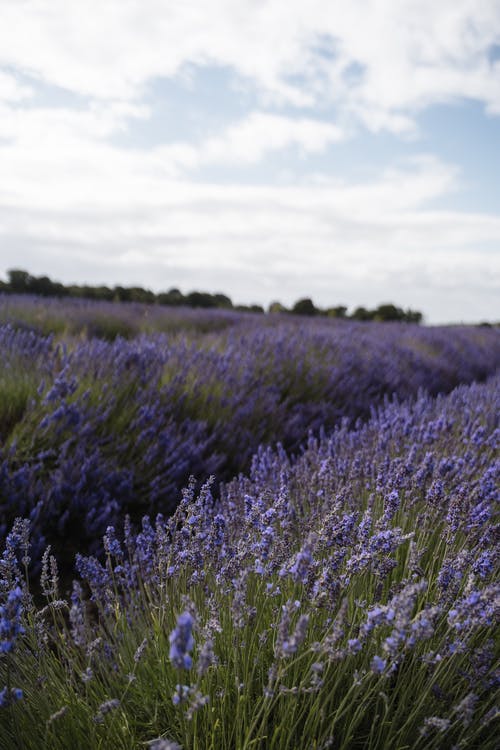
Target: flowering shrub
{"points": [[344, 598], [93, 429]]}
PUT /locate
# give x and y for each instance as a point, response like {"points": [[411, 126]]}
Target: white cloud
{"points": [[70, 152], [41, 126], [406, 53], [11, 90], [249, 140]]}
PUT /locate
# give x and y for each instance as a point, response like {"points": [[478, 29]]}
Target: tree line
{"points": [[384, 312], [22, 282]]}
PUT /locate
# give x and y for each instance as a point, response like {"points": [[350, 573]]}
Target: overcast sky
{"points": [[346, 150]]}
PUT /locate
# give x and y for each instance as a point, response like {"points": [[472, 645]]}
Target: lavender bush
{"points": [[93, 429], [345, 598], [83, 318]]}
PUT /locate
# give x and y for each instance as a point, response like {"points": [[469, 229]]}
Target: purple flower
{"points": [[483, 566], [8, 698], [181, 694], [182, 642], [10, 620], [378, 664], [111, 544], [160, 743], [354, 645], [290, 646]]}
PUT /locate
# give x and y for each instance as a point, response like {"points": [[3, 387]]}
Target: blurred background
{"points": [[346, 152]]}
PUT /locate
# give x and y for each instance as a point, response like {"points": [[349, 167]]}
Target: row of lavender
{"points": [[344, 599], [108, 320], [97, 429]]}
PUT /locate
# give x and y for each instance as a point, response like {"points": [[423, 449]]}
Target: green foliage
{"points": [[250, 308], [336, 312], [18, 280], [17, 388], [277, 307], [361, 313], [21, 282], [304, 306], [173, 297]]}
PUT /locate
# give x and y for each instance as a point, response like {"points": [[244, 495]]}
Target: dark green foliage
{"points": [[304, 306], [172, 297], [277, 307], [361, 313], [21, 282], [387, 313], [18, 281], [249, 308], [336, 312]]}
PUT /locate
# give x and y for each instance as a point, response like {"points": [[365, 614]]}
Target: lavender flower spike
{"points": [[10, 620], [181, 642]]}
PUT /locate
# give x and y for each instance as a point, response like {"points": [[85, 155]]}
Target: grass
{"points": [[17, 389]]}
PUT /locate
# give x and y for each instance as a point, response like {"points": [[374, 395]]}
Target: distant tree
{"points": [[121, 294], [249, 308], [336, 312], [304, 306], [91, 292], [19, 281], [42, 286], [138, 294], [105, 293], [361, 313], [59, 290], [173, 297], [389, 312], [413, 316], [222, 300], [200, 299], [84, 291], [276, 307]]}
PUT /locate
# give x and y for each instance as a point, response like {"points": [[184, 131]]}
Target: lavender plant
{"points": [[345, 598], [91, 430]]}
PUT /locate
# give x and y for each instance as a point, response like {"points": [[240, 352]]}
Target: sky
{"points": [[343, 150]]}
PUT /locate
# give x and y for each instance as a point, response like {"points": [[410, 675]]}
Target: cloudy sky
{"points": [[346, 150]]}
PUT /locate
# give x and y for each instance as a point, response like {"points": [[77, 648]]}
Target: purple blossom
{"points": [[8, 697], [181, 694], [290, 645], [378, 664], [483, 565], [10, 620], [182, 642]]}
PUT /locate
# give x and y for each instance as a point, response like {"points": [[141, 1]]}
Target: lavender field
{"points": [[226, 530]]}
